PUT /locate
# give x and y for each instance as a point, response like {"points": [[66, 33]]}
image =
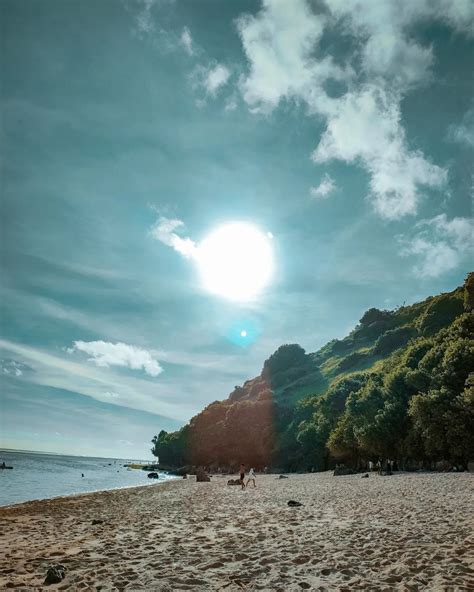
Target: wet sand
{"points": [[403, 532]]}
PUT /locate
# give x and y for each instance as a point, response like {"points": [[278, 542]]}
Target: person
{"points": [[242, 475], [251, 477]]}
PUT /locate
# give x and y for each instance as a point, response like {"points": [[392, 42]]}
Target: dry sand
{"points": [[404, 532]]}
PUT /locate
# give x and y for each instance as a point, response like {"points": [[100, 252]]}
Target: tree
{"points": [[469, 292], [445, 423]]}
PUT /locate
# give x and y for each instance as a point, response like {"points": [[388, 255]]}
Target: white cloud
{"points": [[168, 397], [12, 368], [324, 189], [366, 128], [111, 394], [385, 29], [107, 354], [386, 50], [279, 43], [214, 78], [364, 125], [164, 231], [186, 41], [144, 18], [439, 245], [230, 104], [464, 132]]}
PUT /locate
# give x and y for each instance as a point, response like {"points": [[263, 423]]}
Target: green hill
{"points": [[397, 386]]}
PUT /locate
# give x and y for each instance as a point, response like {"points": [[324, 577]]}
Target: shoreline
{"points": [[414, 532], [92, 492]]}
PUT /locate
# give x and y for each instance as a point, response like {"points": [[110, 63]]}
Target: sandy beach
{"points": [[404, 532]]}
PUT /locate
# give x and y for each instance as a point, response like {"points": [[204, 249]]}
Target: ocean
{"points": [[37, 475]]}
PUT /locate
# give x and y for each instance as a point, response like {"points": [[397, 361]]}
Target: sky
{"points": [[343, 131]]}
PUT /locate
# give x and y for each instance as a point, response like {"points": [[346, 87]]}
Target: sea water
{"points": [[38, 475]]}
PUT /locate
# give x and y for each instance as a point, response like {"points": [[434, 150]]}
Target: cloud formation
{"points": [[324, 189], [464, 131], [105, 354], [11, 368], [186, 41], [214, 78], [366, 127], [164, 231], [280, 43], [439, 245], [144, 18], [363, 125]]}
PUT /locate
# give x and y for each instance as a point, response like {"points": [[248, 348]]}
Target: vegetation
{"points": [[398, 386]]}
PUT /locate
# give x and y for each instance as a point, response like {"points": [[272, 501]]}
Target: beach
{"points": [[402, 532]]}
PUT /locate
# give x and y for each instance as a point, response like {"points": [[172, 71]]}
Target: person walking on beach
{"points": [[242, 476], [251, 477]]}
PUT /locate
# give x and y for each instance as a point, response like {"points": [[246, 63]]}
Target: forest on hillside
{"points": [[399, 386]]}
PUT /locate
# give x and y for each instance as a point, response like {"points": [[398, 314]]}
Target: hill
{"points": [[398, 386]]}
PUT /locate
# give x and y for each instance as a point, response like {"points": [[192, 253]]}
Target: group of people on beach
{"points": [[251, 477]]}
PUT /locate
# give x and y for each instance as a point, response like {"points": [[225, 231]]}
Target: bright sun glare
{"points": [[235, 261]]}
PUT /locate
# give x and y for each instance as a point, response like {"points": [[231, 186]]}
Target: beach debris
{"points": [[94, 522], [55, 574], [283, 477], [153, 476], [234, 482], [202, 476], [366, 476], [294, 504]]}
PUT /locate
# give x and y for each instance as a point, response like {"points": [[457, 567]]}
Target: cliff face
{"points": [[359, 397]]}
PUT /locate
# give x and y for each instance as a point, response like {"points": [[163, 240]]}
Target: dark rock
{"points": [[366, 476], [94, 522], [283, 477], [294, 504], [153, 476], [55, 574], [202, 476], [343, 471], [233, 482]]}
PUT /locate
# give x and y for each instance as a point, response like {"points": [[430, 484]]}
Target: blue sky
{"points": [[131, 130]]}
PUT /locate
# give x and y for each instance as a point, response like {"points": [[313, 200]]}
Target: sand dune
{"points": [[404, 532]]}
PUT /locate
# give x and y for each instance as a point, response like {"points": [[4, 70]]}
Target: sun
{"points": [[235, 261]]}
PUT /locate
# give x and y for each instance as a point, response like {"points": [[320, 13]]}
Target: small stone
{"points": [[294, 504], [202, 476], [55, 574]]}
